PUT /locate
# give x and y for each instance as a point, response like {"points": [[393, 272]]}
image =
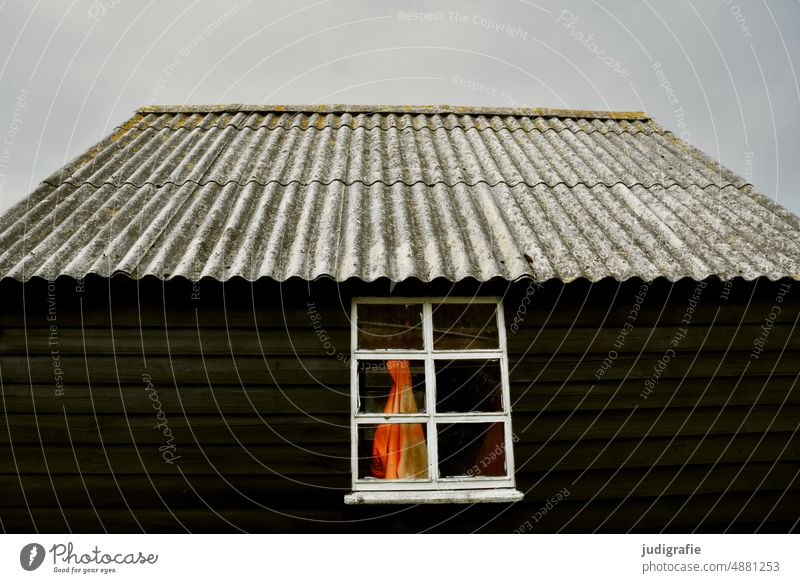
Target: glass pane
{"points": [[471, 450], [386, 326], [392, 451], [464, 386], [391, 386], [465, 326]]}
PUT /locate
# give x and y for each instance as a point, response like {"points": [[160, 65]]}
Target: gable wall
{"points": [[257, 406]]}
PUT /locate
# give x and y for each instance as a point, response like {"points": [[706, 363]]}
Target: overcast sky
{"points": [[721, 74]]}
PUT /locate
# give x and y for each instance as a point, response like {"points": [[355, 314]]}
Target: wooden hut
{"points": [[382, 319]]}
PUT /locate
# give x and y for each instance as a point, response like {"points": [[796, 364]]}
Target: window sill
{"points": [[434, 497]]}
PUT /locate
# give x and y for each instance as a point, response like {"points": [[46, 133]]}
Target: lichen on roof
{"points": [[425, 192]]}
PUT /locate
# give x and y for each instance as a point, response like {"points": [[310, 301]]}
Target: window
{"points": [[431, 418]]}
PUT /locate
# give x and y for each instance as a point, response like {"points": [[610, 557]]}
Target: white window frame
{"points": [[434, 489]]}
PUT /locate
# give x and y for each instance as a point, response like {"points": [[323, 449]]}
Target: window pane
{"points": [[464, 386], [471, 450], [386, 326], [391, 386], [465, 326], [392, 451]]}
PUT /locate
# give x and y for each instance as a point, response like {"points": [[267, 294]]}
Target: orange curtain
{"points": [[399, 449]]}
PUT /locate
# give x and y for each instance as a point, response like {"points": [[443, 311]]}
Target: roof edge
{"points": [[400, 109], [121, 275]]}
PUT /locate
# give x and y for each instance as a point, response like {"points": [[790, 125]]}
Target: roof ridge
{"points": [[399, 109], [344, 182]]}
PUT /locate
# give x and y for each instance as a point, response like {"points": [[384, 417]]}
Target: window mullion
{"points": [[471, 417], [501, 330], [467, 354], [372, 354], [430, 391], [354, 394], [369, 418], [509, 435]]}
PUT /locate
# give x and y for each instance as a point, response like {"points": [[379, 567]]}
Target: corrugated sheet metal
{"points": [[364, 192]]}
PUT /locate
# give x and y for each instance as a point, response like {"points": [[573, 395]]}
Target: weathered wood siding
{"points": [[258, 408]]}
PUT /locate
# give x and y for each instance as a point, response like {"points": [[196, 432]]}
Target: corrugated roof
{"points": [[423, 192]]}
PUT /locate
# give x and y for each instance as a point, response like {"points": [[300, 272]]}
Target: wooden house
{"points": [[382, 319]]}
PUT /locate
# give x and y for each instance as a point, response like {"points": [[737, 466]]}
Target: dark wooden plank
{"points": [[106, 459], [674, 513], [655, 422], [691, 450], [172, 490], [201, 429], [689, 392], [647, 338], [186, 369], [302, 429], [151, 303], [579, 303], [176, 341], [526, 397], [241, 303], [558, 367], [178, 491], [303, 339], [335, 458], [197, 399], [679, 512], [656, 481], [294, 370]]}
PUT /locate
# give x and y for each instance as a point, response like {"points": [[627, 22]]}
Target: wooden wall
{"points": [[258, 409]]}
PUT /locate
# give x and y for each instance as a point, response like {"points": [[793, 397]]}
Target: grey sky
{"points": [[71, 71]]}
